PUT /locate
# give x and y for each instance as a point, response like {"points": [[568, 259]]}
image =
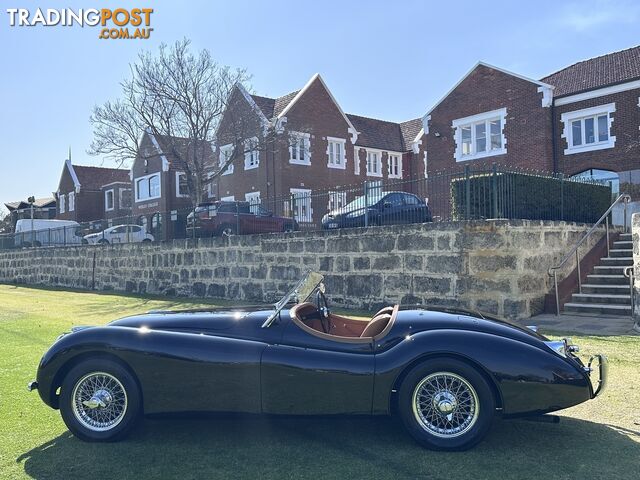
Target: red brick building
{"points": [[80, 195], [303, 142]]}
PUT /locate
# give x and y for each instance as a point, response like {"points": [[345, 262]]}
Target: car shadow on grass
{"points": [[346, 448]]}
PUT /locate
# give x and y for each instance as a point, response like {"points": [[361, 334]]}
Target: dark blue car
{"points": [[383, 208]]}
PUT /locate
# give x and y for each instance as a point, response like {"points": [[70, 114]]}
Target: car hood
{"points": [[198, 320]]}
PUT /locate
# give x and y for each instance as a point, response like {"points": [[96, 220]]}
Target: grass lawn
{"points": [[599, 439]]}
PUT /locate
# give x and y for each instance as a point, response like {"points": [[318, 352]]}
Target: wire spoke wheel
{"points": [[99, 401], [445, 404]]}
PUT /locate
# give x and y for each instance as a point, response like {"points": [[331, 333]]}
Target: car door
{"points": [[115, 235], [414, 209], [308, 375], [391, 209]]}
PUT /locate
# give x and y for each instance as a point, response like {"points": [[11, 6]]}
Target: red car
{"points": [[229, 218]]}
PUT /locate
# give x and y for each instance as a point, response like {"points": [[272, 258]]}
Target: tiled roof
{"points": [[272, 107], [39, 203], [610, 69], [410, 130], [377, 133], [93, 178]]}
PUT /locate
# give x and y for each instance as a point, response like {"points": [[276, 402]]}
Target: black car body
{"points": [[301, 359], [381, 208]]}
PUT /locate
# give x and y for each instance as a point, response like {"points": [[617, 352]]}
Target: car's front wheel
{"points": [[446, 404], [100, 401]]}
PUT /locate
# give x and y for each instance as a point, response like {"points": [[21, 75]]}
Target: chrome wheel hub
{"points": [[445, 404], [99, 401]]}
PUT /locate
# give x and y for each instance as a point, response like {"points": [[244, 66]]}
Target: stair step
{"points": [[621, 252], [608, 279], [605, 289], [601, 298], [601, 308], [610, 269], [628, 244], [625, 237], [622, 261]]}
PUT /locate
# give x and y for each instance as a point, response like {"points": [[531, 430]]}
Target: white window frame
{"points": [[336, 200], [306, 141], [229, 198], [72, 201], [178, 194], [378, 161], [254, 199], [137, 180], [425, 161], [61, 201], [223, 158], [113, 200], [305, 193], [568, 118], [331, 156], [356, 160], [398, 155], [472, 121], [120, 192], [251, 154]]}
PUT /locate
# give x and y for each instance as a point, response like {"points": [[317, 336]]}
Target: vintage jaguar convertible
{"points": [[446, 374]]}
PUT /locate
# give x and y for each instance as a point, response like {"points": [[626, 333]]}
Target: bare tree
{"points": [[176, 95]]}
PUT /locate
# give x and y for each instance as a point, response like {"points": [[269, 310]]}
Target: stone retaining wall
{"points": [[494, 266]]}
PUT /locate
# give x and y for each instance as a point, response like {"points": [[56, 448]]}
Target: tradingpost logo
{"points": [[118, 23]]}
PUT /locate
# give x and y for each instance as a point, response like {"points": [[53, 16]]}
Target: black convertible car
{"points": [[445, 373]]}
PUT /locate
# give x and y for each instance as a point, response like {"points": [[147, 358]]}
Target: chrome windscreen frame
{"points": [[600, 362]]}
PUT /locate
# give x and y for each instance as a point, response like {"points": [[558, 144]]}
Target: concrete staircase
{"points": [[606, 290]]}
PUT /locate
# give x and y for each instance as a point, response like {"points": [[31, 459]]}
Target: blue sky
{"points": [[383, 59]]}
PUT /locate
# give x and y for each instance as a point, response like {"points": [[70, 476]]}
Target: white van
{"points": [[38, 233]]}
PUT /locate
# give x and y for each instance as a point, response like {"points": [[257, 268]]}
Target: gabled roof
{"points": [[486, 65], [93, 178], [183, 147], [598, 72], [411, 130], [39, 203], [376, 133]]}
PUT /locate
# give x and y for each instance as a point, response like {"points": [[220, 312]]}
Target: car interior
{"points": [[320, 322]]}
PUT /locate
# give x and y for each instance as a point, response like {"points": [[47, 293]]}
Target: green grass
{"points": [[599, 439]]}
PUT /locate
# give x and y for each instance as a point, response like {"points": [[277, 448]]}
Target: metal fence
{"points": [[470, 193]]}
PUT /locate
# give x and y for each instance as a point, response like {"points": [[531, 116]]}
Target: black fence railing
{"points": [[491, 192]]}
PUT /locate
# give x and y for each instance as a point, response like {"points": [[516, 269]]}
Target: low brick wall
{"points": [[494, 266]]}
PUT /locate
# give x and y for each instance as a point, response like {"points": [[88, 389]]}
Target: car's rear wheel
{"points": [[103, 241], [100, 401], [446, 404]]}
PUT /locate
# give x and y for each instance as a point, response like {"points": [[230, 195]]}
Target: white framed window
{"points": [[300, 148], [61, 201], [337, 200], [251, 154], [394, 165], [124, 198], [229, 198], [72, 201], [588, 129], [109, 203], [147, 187], [301, 199], [374, 163], [182, 188], [225, 154], [424, 160], [480, 136], [356, 160], [254, 200], [335, 153]]}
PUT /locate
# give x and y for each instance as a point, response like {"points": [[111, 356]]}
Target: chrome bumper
{"points": [[599, 362]]}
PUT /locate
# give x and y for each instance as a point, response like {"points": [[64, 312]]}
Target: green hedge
{"points": [[526, 196]]}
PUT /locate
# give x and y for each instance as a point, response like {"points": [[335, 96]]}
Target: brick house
{"points": [[160, 198], [43, 208], [583, 119], [305, 142], [117, 202], [80, 195]]}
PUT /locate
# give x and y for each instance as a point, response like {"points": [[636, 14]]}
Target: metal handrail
{"points": [[553, 271], [629, 272]]}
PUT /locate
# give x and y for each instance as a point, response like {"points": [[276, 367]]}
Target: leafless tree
{"points": [[182, 97]]}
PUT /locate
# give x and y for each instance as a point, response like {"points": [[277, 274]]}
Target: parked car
{"points": [[446, 373], [229, 218], [384, 208], [40, 232], [119, 234]]}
